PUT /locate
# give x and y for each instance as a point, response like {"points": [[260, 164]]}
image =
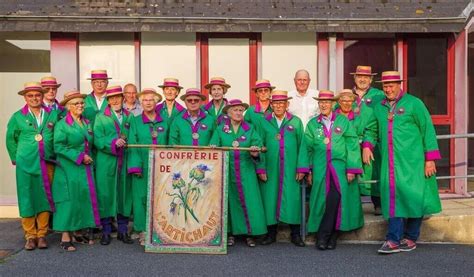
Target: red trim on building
{"points": [[137, 42], [65, 60]]}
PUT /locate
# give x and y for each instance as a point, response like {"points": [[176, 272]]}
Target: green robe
{"points": [[333, 160], [182, 130], [30, 156], [112, 181], [74, 191], [141, 132], [281, 193], [218, 116], [246, 212], [162, 109], [254, 114], [91, 109], [406, 142]]}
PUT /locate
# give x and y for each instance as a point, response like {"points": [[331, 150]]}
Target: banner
{"points": [[187, 202]]}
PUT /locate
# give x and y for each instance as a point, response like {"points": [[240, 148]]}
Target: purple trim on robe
{"points": [[289, 116], [258, 107], [369, 145], [178, 106], [338, 187], [108, 111], [69, 120], [302, 170], [350, 115], [61, 108], [391, 170], [432, 155], [261, 171], [133, 170], [92, 192], [282, 171], [241, 190], [208, 105], [44, 176], [269, 116], [113, 147], [25, 110], [245, 126], [80, 158], [354, 170]]}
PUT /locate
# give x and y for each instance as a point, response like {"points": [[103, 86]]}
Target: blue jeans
{"points": [[399, 228]]}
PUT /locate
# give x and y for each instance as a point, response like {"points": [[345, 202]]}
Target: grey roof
{"points": [[235, 16]]}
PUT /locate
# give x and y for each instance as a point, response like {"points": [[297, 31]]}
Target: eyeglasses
{"points": [[192, 101], [77, 103], [33, 96], [99, 82]]}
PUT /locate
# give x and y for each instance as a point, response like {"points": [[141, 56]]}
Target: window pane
{"points": [[377, 52], [427, 72], [24, 57], [443, 165]]}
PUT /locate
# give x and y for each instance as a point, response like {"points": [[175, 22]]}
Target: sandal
{"points": [[68, 246], [250, 242], [230, 241], [80, 239]]}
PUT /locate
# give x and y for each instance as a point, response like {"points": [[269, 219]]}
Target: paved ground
{"points": [[281, 259]]}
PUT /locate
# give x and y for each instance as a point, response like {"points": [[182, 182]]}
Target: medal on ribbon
{"points": [[38, 137], [235, 144], [195, 135], [326, 140], [278, 137]]}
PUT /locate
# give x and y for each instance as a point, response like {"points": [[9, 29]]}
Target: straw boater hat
{"points": [[150, 91], [346, 92], [99, 75], [171, 82], [217, 81], [31, 86], [233, 103], [263, 84], [48, 82], [113, 90], [72, 95], [193, 92], [325, 95], [363, 70], [390, 76], [280, 95]]}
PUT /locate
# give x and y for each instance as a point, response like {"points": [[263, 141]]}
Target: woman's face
{"points": [[345, 103], [148, 102], [263, 94], [76, 106], [217, 92], [236, 113], [170, 93], [115, 102]]}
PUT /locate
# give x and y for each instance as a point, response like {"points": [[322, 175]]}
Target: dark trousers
{"points": [[273, 230], [399, 228], [122, 222], [327, 227], [376, 201]]}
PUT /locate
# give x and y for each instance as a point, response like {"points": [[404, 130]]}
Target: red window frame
{"points": [[202, 44], [440, 119]]}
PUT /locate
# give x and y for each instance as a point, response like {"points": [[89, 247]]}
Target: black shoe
{"points": [[125, 238], [268, 239], [298, 241], [332, 242], [106, 239], [322, 245]]}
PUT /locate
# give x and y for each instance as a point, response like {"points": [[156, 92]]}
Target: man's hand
{"points": [[367, 155], [254, 151], [262, 176], [430, 168], [350, 177], [120, 143]]}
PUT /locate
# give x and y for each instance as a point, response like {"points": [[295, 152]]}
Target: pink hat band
{"points": [[326, 95], [359, 70], [34, 88], [263, 85], [234, 102], [279, 97], [49, 83], [99, 76], [170, 84], [390, 77], [193, 92], [118, 89], [217, 82]]}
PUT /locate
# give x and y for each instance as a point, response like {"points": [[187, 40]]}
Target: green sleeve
{"points": [[303, 165], [353, 159], [62, 148], [371, 131], [134, 159], [256, 140], [174, 133], [427, 131], [102, 141], [11, 140], [305, 160], [215, 139]]}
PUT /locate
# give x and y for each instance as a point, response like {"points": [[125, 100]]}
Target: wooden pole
{"points": [[225, 148]]}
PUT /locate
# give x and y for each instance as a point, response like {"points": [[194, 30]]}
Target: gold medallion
{"points": [[326, 140], [277, 136], [195, 135], [38, 137], [235, 143], [154, 134], [390, 115]]}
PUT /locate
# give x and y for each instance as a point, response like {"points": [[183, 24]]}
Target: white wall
{"points": [[284, 53]]}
